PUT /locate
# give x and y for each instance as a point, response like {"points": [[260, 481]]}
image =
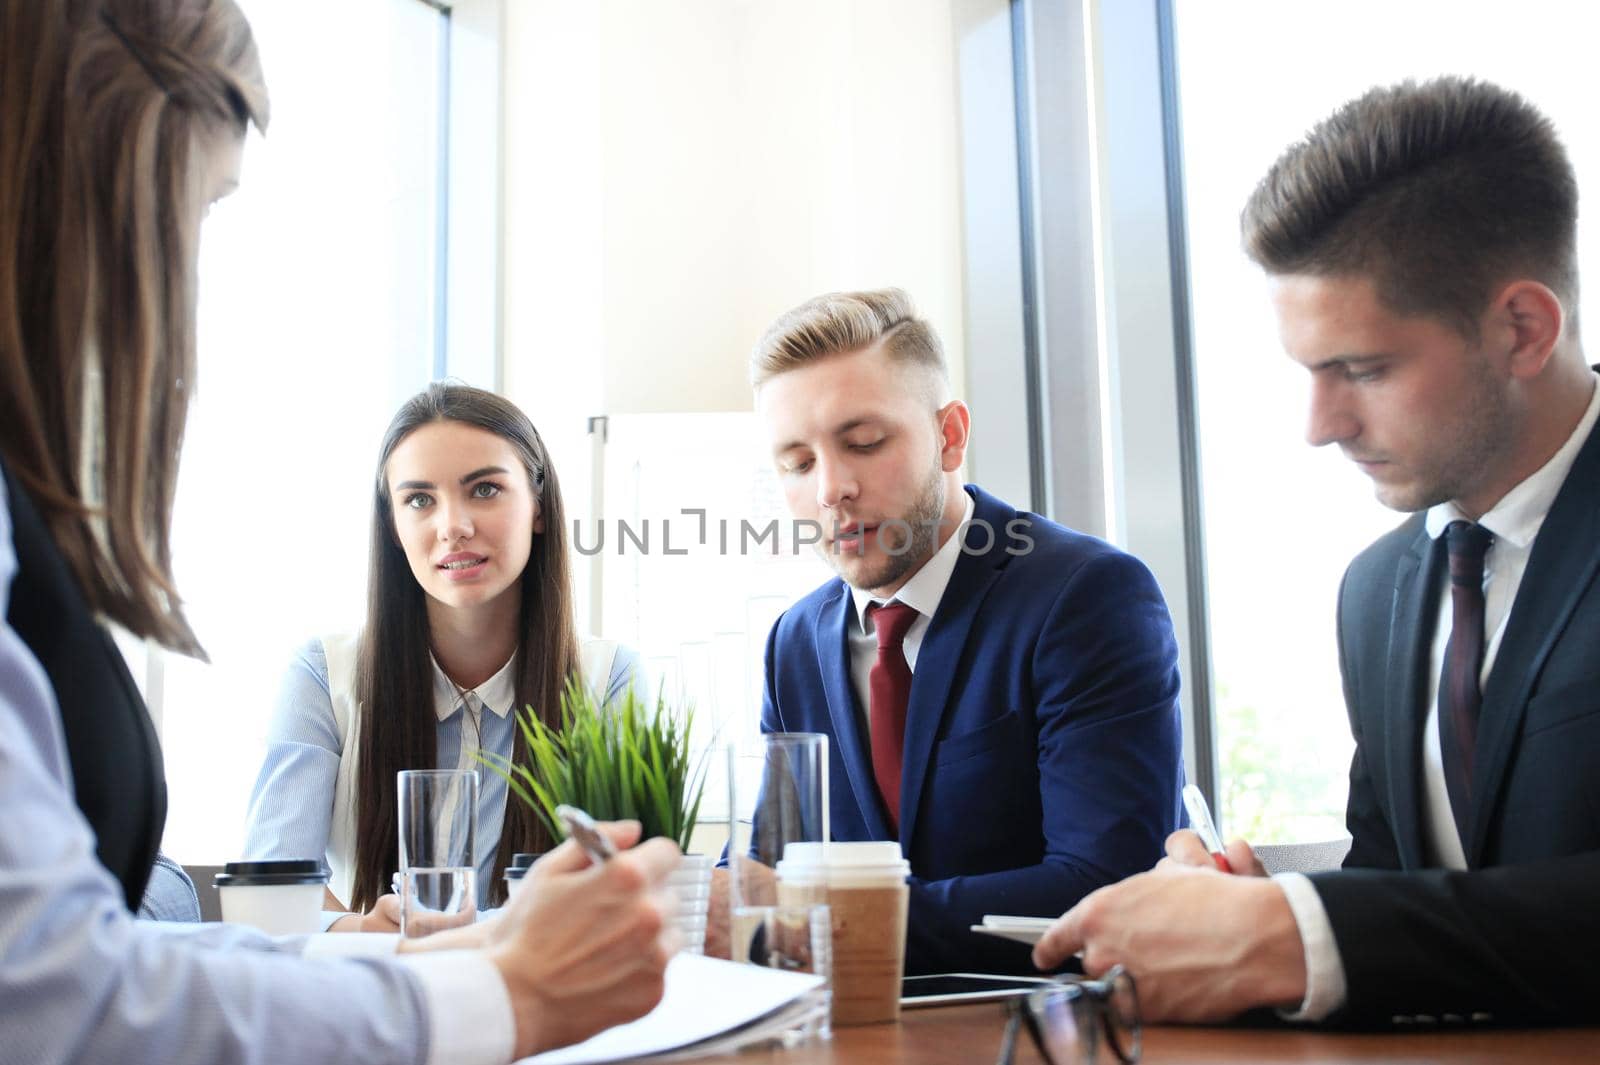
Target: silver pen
{"points": [[1200, 821], [581, 827]]}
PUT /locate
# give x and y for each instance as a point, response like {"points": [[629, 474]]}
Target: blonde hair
{"points": [[841, 322], [109, 110]]}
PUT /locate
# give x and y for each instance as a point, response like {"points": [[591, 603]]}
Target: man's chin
{"points": [[864, 571], [1406, 498]]}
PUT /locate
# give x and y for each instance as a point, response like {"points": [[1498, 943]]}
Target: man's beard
{"points": [[923, 517], [1476, 440]]}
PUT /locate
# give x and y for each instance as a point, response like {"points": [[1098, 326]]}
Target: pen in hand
{"points": [[581, 827], [1200, 821]]}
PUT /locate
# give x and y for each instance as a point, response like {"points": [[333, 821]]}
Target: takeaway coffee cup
{"points": [[521, 862], [280, 898], [864, 887]]}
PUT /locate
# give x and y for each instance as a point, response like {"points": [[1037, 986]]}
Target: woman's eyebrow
{"points": [[468, 479]]}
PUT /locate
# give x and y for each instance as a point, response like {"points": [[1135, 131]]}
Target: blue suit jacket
{"points": [[1043, 753]]}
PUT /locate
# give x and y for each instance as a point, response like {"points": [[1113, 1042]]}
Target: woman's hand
{"points": [[384, 917]]}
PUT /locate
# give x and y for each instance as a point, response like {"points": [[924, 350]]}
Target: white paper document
{"points": [[1021, 929], [704, 997]]}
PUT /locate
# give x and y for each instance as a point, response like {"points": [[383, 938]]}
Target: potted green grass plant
{"points": [[629, 758]]}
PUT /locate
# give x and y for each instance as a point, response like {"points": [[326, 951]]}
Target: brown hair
{"points": [[108, 110], [394, 681], [1438, 191], [841, 322]]}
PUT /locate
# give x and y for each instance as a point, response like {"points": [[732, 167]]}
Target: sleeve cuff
{"points": [[1325, 983], [350, 945], [469, 1012]]}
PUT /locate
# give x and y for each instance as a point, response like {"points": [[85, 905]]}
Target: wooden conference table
{"points": [[970, 1035]]}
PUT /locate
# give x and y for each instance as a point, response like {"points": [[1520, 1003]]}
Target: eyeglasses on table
{"points": [[1069, 1021]]}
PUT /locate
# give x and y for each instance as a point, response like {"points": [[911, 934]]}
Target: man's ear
{"points": [[1530, 318], [955, 426]]}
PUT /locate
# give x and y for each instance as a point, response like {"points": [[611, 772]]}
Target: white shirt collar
{"points": [[926, 586], [1520, 512], [497, 693]]}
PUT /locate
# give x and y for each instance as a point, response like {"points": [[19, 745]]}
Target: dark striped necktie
{"points": [[1459, 696]]}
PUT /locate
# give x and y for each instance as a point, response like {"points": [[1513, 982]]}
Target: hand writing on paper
{"points": [[583, 947], [1203, 945], [1184, 847]]}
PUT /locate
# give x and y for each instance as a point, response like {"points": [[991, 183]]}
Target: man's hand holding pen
{"points": [[1204, 945]]}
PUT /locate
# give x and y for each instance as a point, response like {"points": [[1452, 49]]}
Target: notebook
{"points": [[709, 1006]]}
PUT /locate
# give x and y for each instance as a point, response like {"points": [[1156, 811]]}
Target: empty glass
{"points": [[778, 795], [778, 792], [795, 939]]}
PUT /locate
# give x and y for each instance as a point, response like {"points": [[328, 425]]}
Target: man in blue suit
{"points": [[1001, 692]]}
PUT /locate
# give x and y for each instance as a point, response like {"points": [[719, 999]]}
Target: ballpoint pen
{"points": [[581, 827], [1200, 821]]}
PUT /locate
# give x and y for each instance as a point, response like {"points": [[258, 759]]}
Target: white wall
{"points": [[681, 171]]}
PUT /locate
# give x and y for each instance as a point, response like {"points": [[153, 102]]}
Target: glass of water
{"points": [[438, 877], [778, 796]]}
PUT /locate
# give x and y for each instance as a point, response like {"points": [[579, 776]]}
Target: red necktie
{"points": [[1459, 697], [889, 690]]}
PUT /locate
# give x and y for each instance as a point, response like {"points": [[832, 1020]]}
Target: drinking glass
{"points": [[794, 939], [438, 878], [778, 794]]}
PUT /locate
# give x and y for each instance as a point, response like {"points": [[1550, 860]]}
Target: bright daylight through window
{"points": [[317, 287], [1282, 520]]}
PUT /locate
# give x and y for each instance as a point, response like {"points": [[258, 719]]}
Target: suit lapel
{"points": [[833, 660], [1560, 570], [1412, 620], [933, 681]]}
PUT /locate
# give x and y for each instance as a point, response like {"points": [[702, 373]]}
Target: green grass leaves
{"points": [[625, 759]]}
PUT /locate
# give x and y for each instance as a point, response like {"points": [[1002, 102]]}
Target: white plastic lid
{"points": [[843, 863]]}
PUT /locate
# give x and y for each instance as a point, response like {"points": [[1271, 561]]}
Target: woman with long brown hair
{"points": [[120, 122], [469, 618]]}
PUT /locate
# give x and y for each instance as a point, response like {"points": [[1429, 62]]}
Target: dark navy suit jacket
{"points": [[1515, 936], [1043, 752]]}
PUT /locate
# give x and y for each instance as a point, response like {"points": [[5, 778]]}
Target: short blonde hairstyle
{"points": [[840, 322]]}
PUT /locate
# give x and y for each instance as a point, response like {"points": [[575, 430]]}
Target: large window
{"points": [[678, 174], [660, 180], [1281, 519], [317, 316]]}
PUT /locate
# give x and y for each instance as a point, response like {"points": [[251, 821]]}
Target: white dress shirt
{"points": [[922, 593], [1515, 522]]}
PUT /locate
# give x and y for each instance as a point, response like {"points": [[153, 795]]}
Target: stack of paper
{"points": [[1021, 929], [710, 1006]]}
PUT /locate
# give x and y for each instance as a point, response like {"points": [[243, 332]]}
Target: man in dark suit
{"points": [[1421, 245], [1000, 692]]}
